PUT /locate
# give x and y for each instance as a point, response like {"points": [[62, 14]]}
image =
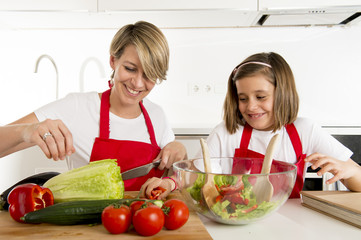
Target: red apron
{"points": [[244, 152], [129, 154]]}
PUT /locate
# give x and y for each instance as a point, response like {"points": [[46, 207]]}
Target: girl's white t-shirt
{"points": [[80, 112], [313, 138]]}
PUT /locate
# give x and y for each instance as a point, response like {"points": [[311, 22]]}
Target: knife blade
{"points": [[140, 171], [69, 162]]}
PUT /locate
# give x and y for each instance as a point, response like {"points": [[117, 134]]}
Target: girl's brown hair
{"points": [[279, 73], [151, 45]]}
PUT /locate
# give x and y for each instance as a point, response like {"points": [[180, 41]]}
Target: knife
{"points": [[140, 171]]}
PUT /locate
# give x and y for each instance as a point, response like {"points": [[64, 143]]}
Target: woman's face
{"points": [[131, 84], [256, 99]]}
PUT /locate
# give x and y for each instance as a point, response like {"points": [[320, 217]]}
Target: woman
{"points": [[119, 123]]}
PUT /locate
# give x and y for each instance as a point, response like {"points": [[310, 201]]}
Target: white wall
{"points": [[325, 61]]}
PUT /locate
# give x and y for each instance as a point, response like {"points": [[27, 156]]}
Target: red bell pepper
{"points": [[28, 198]]}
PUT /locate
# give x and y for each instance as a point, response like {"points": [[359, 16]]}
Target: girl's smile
{"points": [[255, 101]]}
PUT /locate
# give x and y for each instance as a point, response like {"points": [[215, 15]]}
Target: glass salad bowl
{"points": [[232, 198]]}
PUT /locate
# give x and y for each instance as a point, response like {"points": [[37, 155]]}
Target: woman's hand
{"points": [[348, 171], [154, 182], [171, 153], [52, 136]]}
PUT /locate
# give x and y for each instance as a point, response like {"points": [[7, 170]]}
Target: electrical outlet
{"points": [[194, 89], [207, 89], [200, 89]]}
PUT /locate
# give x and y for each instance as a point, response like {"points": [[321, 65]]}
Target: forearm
{"points": [[11, 139], [353, 183], [171, 181], [12, 136]]}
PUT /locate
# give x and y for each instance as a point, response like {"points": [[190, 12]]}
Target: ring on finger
{"points": [[47, 134]]}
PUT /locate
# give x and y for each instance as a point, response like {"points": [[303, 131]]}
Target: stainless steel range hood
{"points": [[308, 13], [312, 17]]}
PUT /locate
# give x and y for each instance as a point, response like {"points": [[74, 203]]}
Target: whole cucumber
{"points": [[38, 179], [74, 212]]}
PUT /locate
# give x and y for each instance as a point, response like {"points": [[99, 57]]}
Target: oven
{"points": [[350, 136]]}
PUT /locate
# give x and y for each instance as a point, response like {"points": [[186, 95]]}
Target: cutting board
{"points": [[342, 205], [10, 229]]}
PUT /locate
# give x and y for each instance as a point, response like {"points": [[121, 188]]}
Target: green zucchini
{"points": [[74, 212]]}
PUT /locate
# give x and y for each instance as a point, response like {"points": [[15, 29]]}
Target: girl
{"points": [[119, 123], [262, 101]]}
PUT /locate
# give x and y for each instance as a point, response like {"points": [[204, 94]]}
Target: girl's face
{"points": [[131, 84], [256, 99]]}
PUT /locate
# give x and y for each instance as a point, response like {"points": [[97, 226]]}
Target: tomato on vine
{"points": [[176, 214], [116, 218], [148, 221], [136, 205]]}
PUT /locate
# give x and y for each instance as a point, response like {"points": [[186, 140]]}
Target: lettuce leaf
{"points": [[97, 180], [195, 189], [225, 180]]}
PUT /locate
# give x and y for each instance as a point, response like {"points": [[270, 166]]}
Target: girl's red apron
{"points": [[244, 152], [129, 154]]}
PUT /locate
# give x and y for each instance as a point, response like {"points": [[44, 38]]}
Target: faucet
{"points": [[56, 71], [82, 70]]}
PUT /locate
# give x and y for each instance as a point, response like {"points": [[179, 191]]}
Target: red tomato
{"points": [[148, 221], [178, 214], [116, 219], [136, 205]]}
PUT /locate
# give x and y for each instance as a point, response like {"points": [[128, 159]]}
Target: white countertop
{"points": [[292, 221]]}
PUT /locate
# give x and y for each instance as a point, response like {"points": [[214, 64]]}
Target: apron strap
{"points": [[295, 139], [104, 115], [246, 136], [149, 124], [297, 146]]}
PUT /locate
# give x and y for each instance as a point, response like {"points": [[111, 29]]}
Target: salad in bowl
{"points": [[235, 180]]}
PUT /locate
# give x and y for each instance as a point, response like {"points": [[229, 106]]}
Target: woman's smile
{"points": [[132, 91]]}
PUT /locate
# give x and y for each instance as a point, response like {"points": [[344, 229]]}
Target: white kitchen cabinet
{"points": [[90, 14], [183, 14], [121, 5], [48, 5]]}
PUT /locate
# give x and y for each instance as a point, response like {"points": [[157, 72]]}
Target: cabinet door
{"points": [[121, 5], [48, 5]]}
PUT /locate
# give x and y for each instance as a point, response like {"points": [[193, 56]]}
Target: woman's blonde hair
{"points": [[151, 45], [277, 71]]}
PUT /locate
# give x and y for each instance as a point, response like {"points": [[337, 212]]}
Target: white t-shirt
{"points": [[80, 112], [313, 138]]}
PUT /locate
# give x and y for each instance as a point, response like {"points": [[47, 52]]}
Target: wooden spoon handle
{"points": [[267, 162], [206, 157]]}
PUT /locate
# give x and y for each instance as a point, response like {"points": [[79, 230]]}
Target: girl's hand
{"points": [[154, 182], [340, 169], [52, 136], [171, 153]]}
